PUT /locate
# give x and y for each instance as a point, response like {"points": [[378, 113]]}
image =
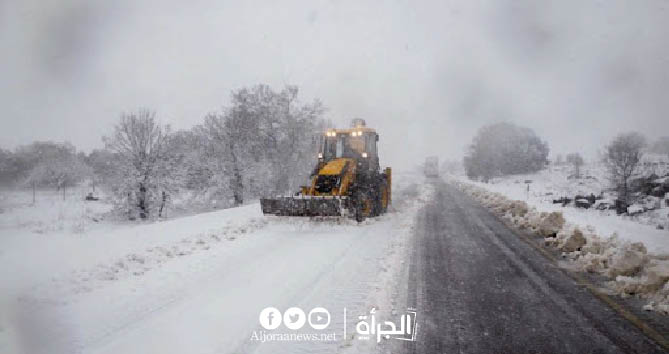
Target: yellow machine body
{"points": [[346, 180]]}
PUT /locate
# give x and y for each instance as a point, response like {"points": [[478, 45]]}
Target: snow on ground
{"points": [[191, 284], [552, 183], [635, 256], [53, 211]]}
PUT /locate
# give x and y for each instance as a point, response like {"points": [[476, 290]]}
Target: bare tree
{"points": [[622, 158], [575, 160], [264, 142], [144, 159]]}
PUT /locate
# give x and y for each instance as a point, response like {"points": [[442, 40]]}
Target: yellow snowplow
{"points": [[347, 180]]}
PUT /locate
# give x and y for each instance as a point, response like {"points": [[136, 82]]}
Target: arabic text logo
{"points": [[367, 327]]}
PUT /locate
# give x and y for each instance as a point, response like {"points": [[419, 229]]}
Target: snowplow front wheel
{"points": [[358, 216], [358, 205]]}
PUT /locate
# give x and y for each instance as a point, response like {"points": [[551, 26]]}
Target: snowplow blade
{"points": [[305, 206]]}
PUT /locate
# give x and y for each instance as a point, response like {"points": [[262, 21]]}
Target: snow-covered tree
{"points": [[293, 148], [102, 162], [482, 158], [52, 164], [503, 149], [622, 157], [145, 162], [9, 168], [193, 170], [59, 173], [233, 140], [264, 141]]}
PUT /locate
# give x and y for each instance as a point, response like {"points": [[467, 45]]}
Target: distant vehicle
{"points": [[431, 166]]}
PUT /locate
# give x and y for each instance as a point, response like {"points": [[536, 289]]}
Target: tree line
{"points": [[262, 143], [505, 149]]}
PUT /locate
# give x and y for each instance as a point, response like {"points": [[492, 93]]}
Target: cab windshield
{"points": [[344, 145]]}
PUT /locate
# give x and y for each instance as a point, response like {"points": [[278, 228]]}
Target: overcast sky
{"points": [[426, 75]]}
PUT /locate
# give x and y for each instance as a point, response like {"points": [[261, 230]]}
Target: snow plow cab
{"points": [[347, 180]]}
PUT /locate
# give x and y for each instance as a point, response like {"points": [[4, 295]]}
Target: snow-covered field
{"points": [[552, 183], [53, 211], [192, 284], [632, 253]]}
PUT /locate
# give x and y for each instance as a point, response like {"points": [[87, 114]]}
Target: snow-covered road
{"points": [[197, 284], [482, 288]]}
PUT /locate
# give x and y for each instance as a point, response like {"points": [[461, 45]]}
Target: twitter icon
{"points": [[294, 318]]}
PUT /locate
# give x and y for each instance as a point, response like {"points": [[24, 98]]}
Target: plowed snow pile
{"points": [[632, 269]]}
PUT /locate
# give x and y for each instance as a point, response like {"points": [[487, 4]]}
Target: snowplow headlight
{"points": [[364, 155]]}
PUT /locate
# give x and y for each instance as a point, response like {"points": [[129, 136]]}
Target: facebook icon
{"points": [[270, 318]]}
